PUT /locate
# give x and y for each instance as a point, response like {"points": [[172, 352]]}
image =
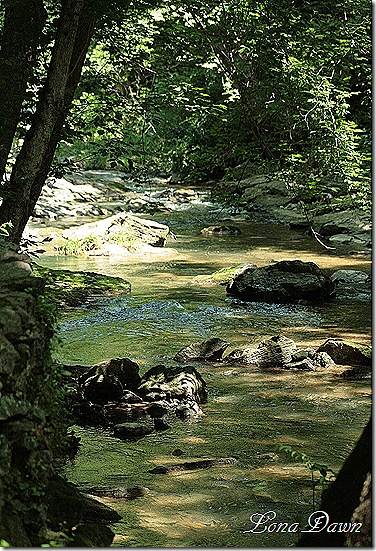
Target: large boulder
{"points": [[108, 380], [173, 385], [69, 508], [347, 352], [285, 281], [122, 230], [209, 350]]}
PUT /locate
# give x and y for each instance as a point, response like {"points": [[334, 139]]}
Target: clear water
{"points": [[248, 412]]}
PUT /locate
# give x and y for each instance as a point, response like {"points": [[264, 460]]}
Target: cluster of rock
{"points": [[264, 198], [282, 353], [107, 192], [269, 199], [112, 393]]}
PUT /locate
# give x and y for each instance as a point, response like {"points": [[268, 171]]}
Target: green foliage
{"points": [[4, 229], [201, 88], [326, 475], [79, 247]]}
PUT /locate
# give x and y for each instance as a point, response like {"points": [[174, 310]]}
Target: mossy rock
{"points": [[74, 288], [223, 276], [347, 352]]}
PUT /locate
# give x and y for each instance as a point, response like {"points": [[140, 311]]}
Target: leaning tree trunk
{"points": [[33, 162], [22, 29], [341, 499]]}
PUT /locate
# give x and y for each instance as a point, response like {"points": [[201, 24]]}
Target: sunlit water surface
{"points": [[248, 412]]}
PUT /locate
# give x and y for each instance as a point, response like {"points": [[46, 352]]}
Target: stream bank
{"points": [[36, 501]]}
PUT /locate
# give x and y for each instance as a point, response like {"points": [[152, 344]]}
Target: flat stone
{"points": [[302, 365]]}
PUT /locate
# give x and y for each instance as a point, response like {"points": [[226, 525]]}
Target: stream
{"points": [[248, 412]]}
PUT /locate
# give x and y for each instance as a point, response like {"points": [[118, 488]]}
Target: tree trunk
{"points": [[22, 30], [33, 162], [340, 500]]}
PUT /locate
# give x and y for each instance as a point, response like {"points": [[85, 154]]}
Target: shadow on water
{"points": [[248, 412]]}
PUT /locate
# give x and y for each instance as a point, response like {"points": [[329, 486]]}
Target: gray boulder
{"points": [[283, 282], [280, 352], [209, 350], [322, 359], [352, 278], [121, 230], [277, 351], [173, 385]]}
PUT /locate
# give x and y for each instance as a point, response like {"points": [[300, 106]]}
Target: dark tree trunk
{"points": [[22, 29], [340, 500], [30, 170]]}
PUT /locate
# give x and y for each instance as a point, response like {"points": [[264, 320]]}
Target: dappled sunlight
{"points": [[180, 525], [194, 440], [249, 410]]}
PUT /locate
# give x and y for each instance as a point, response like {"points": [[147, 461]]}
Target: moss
{"points": [[221, 277], [68, 288]]}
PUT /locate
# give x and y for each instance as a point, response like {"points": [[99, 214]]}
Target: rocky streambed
{"points": [[200, 474], [78, 197]]}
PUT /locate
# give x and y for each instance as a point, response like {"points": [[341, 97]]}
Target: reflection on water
{"points": [[248, 411]]}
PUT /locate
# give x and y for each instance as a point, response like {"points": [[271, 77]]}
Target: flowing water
{"points": [[248, 412]]}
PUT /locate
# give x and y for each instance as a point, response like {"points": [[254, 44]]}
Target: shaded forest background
{"points": [[200, 90]]}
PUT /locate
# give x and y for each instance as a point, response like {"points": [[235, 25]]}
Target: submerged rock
{"points": [[193, 465], [67, 288], [209, 350], [132, 431], [347, 352], [357, 372], [223, 276], [285, 281], [118, 492]]}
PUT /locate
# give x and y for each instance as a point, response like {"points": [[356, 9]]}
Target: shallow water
{"points": [[248, 412]]}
